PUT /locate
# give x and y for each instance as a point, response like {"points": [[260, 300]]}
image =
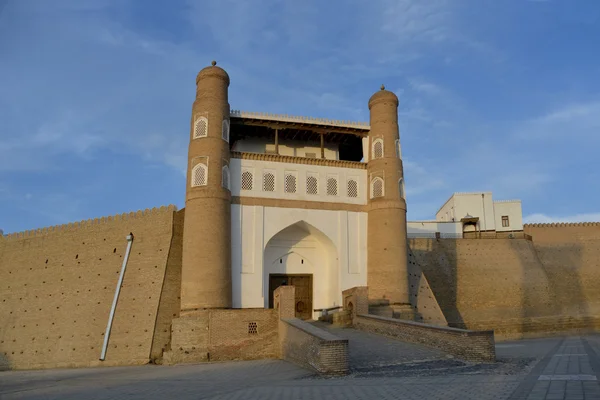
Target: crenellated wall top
{"points": [[89, 222], [560, 224], [299, 119]]}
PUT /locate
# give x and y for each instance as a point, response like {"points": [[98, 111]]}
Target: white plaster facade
{"points": [[482, 205], [330, 245], [512, 211], [323, 176]]}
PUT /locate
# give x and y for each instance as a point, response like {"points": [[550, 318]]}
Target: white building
{"points": [[471, 212]]}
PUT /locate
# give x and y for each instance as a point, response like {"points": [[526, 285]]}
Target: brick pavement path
{"points": [[274, 379]]}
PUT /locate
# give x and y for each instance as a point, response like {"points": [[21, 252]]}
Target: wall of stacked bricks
{"points": [[477, 346], [422, 297], [58, 284], [170, 297], [517, 287], [218, 335], [313, 348], [305, 344]]}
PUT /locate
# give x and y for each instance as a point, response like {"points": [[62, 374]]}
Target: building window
{"points": [[312, 184], [199, 175], [200, 127], [332, 187], [377, 150], [377, 187], [505, 223], [401, 188], [247, 180], [398, 149], [290, 182], [225, 130], [225, 177], [352, 188], [268, 182]]}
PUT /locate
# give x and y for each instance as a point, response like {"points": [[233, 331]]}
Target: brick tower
{"points": [[387, 262], [206, 263]]}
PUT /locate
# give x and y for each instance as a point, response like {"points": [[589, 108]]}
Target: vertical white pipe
{"points": [[117, 292]]}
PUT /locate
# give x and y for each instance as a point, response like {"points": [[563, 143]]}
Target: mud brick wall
{"points": [[220, 335], [58, 283], [313, 348], [517, 287], [467, 345]]}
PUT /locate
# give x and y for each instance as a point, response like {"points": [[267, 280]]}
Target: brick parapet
{"points": [[356, 300], [89, 223], [313, 348], [477, 346], [560, 224]]}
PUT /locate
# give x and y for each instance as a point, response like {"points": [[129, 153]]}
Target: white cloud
{"points": [[543, 218], [579, 121]]}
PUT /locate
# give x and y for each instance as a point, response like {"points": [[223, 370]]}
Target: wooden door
{"points": [[303, 289], [303, 285]]}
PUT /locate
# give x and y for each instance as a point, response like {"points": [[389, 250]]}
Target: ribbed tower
{"points": [[387, 262], [206, 264]]}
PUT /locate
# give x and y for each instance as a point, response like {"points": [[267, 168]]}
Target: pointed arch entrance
{"points": [[303, 256]]}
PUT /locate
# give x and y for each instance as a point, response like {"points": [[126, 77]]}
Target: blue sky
{"points": [[95, 96]]}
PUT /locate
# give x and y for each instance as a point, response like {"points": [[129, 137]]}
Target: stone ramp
{"points": [[370, 352], [377, 356]]}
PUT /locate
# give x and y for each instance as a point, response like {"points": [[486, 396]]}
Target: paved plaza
{"points": [[552, 368]]}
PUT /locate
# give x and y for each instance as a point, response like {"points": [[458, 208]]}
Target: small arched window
{"points": [[398, 149], [352, 188], [290, 183], [268, 182], [247, 180], [332, 187], [377, 151], [225, 177], [225, 130], [200, 127], [377, 187], [401, 188], [312, 185], [199, 175]]}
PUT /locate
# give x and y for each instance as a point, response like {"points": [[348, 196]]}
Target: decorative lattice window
{"points": [[247, 180], [290, 182], [268, 182], [398, 149], [332, 186], [377, 148], [401, 188], [310, 155], [200, 127], [199, 175], [312, 184], [225, 177], [376, 187], [352, 188], [225, 130], [252, 328]]}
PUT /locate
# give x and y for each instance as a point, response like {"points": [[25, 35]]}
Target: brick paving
{"points": [[388, 374]]}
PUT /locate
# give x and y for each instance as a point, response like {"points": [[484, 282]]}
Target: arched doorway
{"points": [[302, 256]]}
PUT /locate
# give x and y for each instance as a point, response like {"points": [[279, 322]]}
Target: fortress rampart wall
{"points": [[58, 283], [518, 287]]}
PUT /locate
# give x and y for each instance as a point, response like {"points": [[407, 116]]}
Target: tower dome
{"points": [[213, 71], [383, 95]]}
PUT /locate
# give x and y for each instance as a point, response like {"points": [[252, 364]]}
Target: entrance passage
{"points": [[303, 285]]}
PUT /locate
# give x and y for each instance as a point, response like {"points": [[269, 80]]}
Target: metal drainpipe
{"points": [[483, 204], [117, 291]]}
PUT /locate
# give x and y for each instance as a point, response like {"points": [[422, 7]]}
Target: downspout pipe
{"points": [[116, 298]]}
